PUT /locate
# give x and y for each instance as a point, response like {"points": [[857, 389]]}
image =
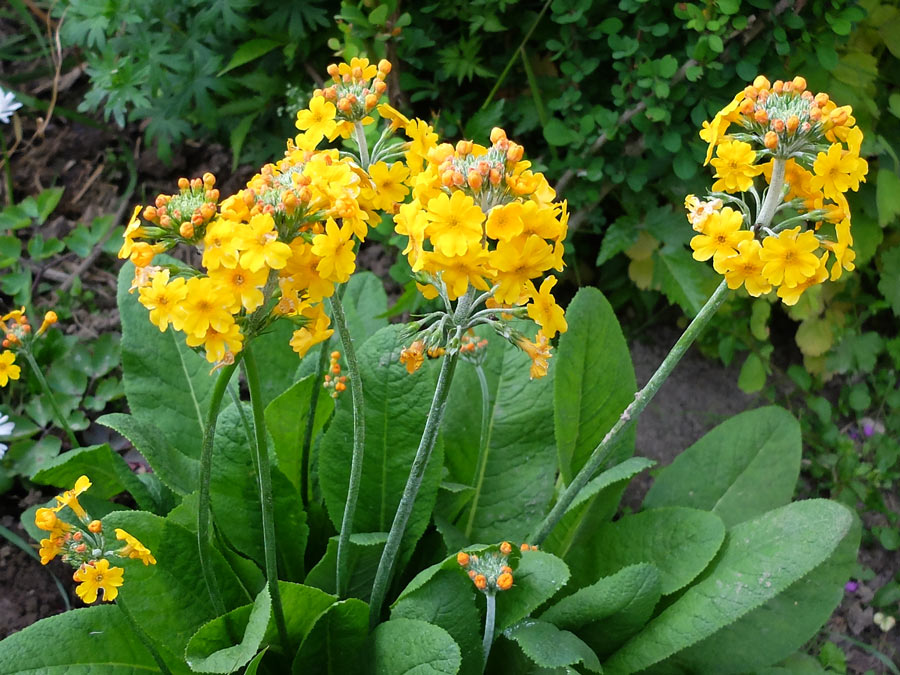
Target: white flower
{"points": [[6, 429], [8, 105]]}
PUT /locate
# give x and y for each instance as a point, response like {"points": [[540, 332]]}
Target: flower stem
{"points": [[481, 464], [360, 135], [773, 196], [601, 453], [203, 510], [416, 473], [60, 418], [264, 476], [310, 423], [489, 618], [359, 445]]}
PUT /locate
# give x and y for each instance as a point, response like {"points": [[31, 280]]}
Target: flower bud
{"points": [[771, 140], [384, 66], [777, 86], [761, 82], [183, 183], [186, 230], [496, 134], [474, 180], [95, 526], [480, 582], [505, 581], [793, 123], [761, 116], [505, 548], [462, 558], [778, 125], [799, 84]]}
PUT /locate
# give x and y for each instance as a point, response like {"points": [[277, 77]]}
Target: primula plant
{"points": [[455, 512]]}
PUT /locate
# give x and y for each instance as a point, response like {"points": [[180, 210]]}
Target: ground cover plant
{"points": [[449, 506]]}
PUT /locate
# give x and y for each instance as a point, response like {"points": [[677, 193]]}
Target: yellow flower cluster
{"points": [[16, 332], [84, 546], [481, 219], [803, 150]]}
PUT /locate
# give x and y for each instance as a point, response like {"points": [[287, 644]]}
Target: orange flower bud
{"points": [[447, 178], [506, 568], [761, 116], [344, 105], [384, 66], [209, 180], [150, 213], [799, 84], [778, 125], [77, 536], [371, 101], [761, 82], [161, 200], [356, 73], [458, 179], [332, 70], [495, 177], [196, 184], [474, 179], [777, 86], [142, 254], [379, 87], [793, 123], [788, 87], [505, 581], [505, 548], [186, 230], [480, 582], [771, 140], [496, 134], [462, 558], [821, 99], [183, 183], [750, 92], [463, 148], [515, 152], [747, 106], [81, 548], [95, 526], [340, 386]]}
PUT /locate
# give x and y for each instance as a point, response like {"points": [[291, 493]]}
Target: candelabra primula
{"points": [[802, 150]]}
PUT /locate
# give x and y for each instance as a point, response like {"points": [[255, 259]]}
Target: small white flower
{"points": [[6, 429], [8, 105]]}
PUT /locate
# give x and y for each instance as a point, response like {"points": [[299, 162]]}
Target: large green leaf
{"points": [[739, 470], [180, 472], [608, 613], [336, 640], [408, 646], [679, 541], [109, 474], [276, 359], [516, 480], [286, 419], [595, 504], [212, 648], [594, 383], [549, 647], [84, 641], [365, 304], [448, 600], [762, 559], [303, 605], [362, 562], [396, 406], [167, 384], [169, 600], [536, 579], [235, 498]]}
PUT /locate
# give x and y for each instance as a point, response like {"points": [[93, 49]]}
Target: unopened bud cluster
{"points": [[490, 572], [334, 381], [357, 87], [18, 336]]}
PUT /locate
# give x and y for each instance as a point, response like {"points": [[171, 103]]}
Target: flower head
{"points": [[8, 105], [98, 576], [8, 369]]}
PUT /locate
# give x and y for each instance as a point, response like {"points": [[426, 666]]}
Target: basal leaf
{"points": [[336, 640], [402, 646], [594, 383], [362, 563], [744, 467], [536, 579], [549, 647]]}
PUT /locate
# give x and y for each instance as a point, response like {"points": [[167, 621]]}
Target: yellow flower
{"points": [[220, 245], [134, 549], [314, 332], [243, 285], [411, 222], [543, 309], [789, 257], [70, 497], [517, 261], [163, 300], [734, 167], [454, 223], [8, 371], [791, 294], [746, 268], [260, 245], [422, 139], [300, 273], [318, 121], [413, 356], [394, 116], [837, 171], [205, 306], [218, 343], [843, 254], [132, 231], [97, 576], [388, 184], [505, 222], [335, 250], [699, 211], [539, 353], [713, 132], [50, 548], [721, 235], [460, 271]]}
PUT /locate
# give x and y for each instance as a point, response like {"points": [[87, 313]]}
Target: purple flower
{"points": [[851, 586]]}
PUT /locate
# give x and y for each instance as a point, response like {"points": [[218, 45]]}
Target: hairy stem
{"points": [[310, 423], [203, 510], [489, 618], [481, 464], [60, 418], [264, 476], [360, 135], [601, 453], [359, 445], [773, 196]]}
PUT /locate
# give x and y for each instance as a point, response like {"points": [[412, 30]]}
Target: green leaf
{"points": [[609, 612], [169, 600], [887, 196], [763, 560], [234, 493], [277, 360], [516, 483], [396, 407], [594, 505], [889, 284], [212, 648], [167, 384], [814, 336], [286, 419], [336, 640], [178, 471], [550, 647], [679, 541], [402, 646], [744, 467], [448, 600], [303, 605], [752, 377], [683, 280], [593, 384], [80, 642], [46, 202], [250, 51], [362, 563], [365, 306], [557, 133], [10, 250], [537, 578], [109, 473]]}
